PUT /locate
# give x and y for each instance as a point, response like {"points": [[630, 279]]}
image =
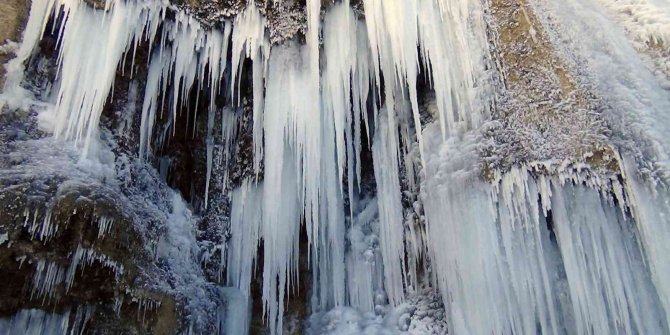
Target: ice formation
{"points": [[48, 275], [521, 252], [35, 321], [561, 254]]}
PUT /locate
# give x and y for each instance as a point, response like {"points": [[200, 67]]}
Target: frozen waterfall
{"points": [[545, 247]]}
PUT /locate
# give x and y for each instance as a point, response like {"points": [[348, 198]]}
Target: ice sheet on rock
{"points": [[234, 316], [229, 124], [178, 249], [636, 101], [39, 322], [13, 95], [364, 264]]}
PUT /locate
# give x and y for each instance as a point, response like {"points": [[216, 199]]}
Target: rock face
{"points": [[12, 19], [73, 243]]}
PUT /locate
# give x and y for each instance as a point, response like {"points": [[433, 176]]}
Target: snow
{"points": [[423, 314]]}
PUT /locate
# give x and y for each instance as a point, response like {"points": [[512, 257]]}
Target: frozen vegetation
{"points": [[370, 160]]}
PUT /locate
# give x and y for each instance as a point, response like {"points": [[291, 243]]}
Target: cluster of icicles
{"points": [[48, 275], [518, 257]]}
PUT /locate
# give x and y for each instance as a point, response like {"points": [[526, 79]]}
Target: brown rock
{"points": [[13, 16]]}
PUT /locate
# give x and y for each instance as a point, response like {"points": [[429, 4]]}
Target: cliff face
{"points": [[224, 167], [12, 18]]}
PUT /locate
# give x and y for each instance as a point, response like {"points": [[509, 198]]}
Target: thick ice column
{"points": [[391, 226], [650, 208], [345, 87], [245, 224], [36, 321], [286, 147], [340, 62], [609, 283], [245, 232], [462, 237], [364, 264]]}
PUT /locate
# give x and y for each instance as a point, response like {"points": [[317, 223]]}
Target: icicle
{"points": [[453, 44], [83, 257], [45, 279], [610, 288], [104, 226], [187, 52], [91, 47], [281, 193], [340, 55], [158, 71], [210, 151], [249, 41], [43, 229], [118, 303]]}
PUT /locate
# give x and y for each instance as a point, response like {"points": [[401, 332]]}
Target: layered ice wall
{"points": [[535, 254], [524, 251]]}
